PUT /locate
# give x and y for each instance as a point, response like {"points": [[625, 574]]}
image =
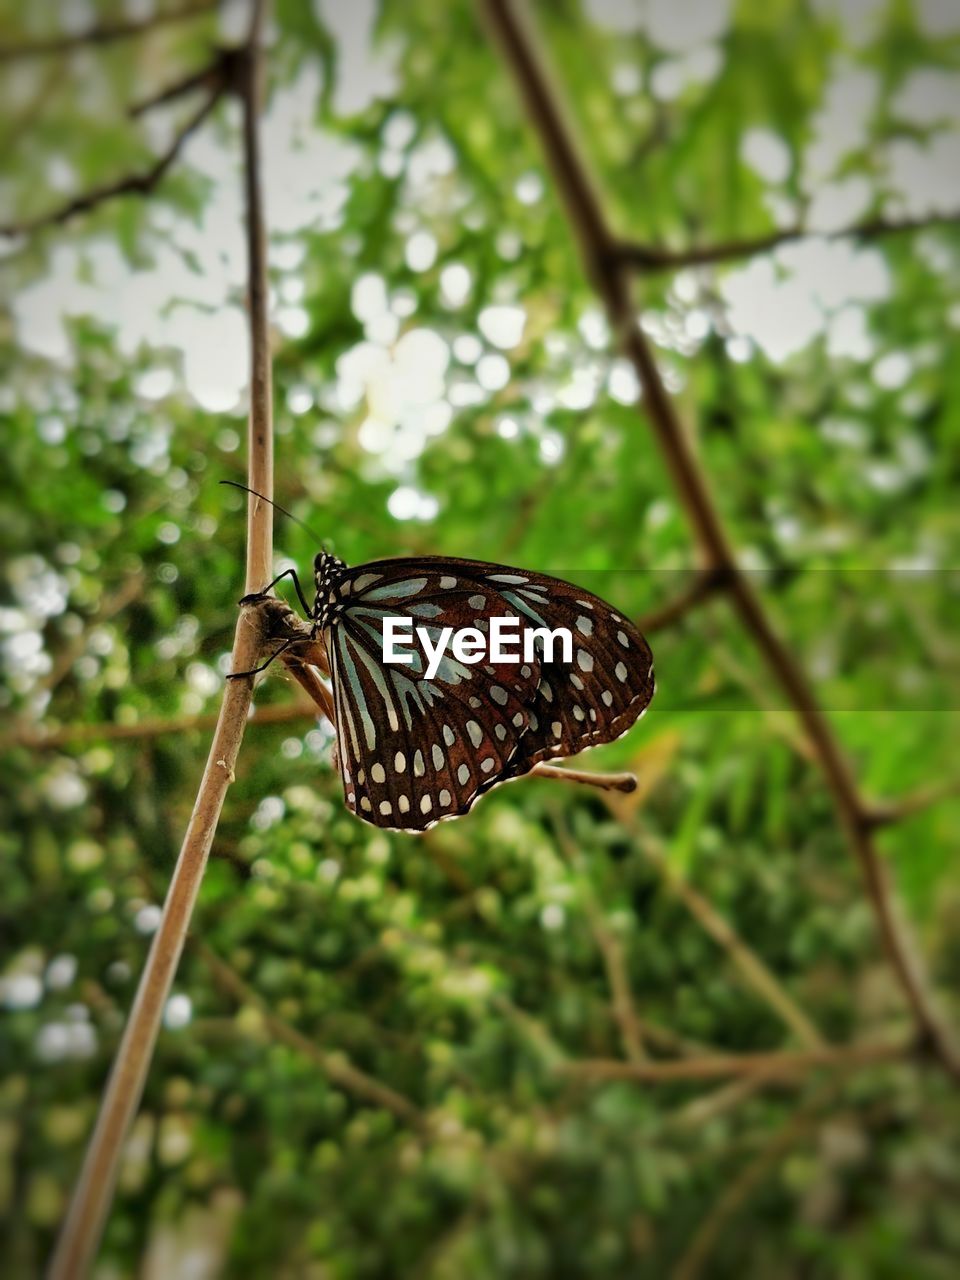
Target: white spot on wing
{"points": [[377, 773]]}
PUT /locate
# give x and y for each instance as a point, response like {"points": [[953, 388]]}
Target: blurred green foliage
{"points": [[466, 969]]}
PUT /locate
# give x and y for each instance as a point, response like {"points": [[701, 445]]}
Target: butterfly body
{"points": [[415, 748]]}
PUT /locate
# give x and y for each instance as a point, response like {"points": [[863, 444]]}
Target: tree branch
{"points": [[105, 32], [741, 1187], [337, 1067], [70, 735], [135, 184], [646, 258], [611, 279], [884, 813], [93, 1193], [717, 1066], [219, 71], [762, 980], [608, 944], [705, 584], [111, 603]]}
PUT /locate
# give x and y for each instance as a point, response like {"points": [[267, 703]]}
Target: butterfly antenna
{"points": [[289, 514]]}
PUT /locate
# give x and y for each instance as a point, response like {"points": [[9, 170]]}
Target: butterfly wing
{"points": [[596, 696], [414, 750]]}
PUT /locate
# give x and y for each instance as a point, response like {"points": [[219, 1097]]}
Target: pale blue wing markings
{"points": [[524, 608], [452, 672], [424, 610], [408, 690], [376, 674], [365, 580], [353, 677], [342, 704], [376, 635], [397, 590]]}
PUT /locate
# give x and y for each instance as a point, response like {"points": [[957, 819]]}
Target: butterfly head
{"points": [[327, 569]]}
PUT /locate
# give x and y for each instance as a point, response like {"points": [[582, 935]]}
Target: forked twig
{"points": [[611, 278], [136, 184]]}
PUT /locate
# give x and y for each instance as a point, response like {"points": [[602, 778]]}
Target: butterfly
{"points": [[415, 748]]}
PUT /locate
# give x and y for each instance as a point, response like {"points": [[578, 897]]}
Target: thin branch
{"points": [[135, 184], [612, 281], [583, 777], [105, 32], [219, 70], [742, 1186], [337, 1067], [93, 1193], [884, 813], [37, 738], [761, 979], [705, 584], [111, 603], [646, 258], [722, 1065], [608, 944]]}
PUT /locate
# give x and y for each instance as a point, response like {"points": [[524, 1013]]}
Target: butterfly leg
{"points": [[287, 573], [240, 675]]}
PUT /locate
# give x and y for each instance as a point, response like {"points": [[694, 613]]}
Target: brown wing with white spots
{"points": [[411, 750], [597, 696]]}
